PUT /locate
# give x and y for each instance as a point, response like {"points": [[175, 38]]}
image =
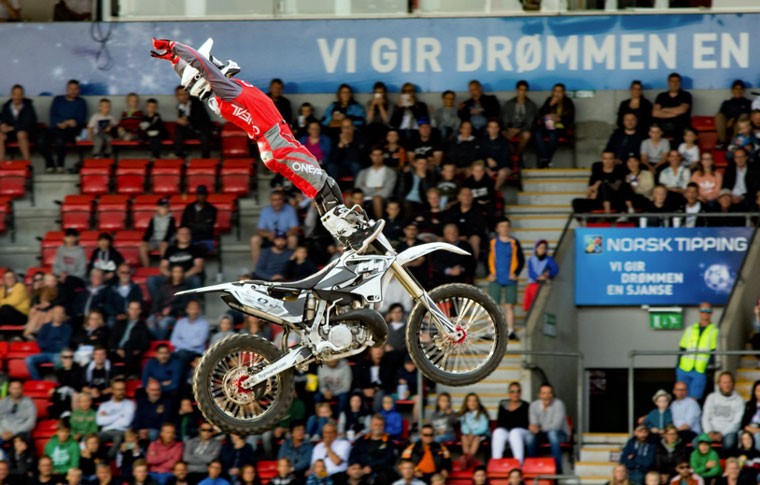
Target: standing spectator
{"points": [[453, 268], [193, 123], [14, 300], [479, 108], [722, 413], [235, 453], [638, 455], [277, 217], [505, 263], [18, 414], [655, 149], [163, 453], [68, 115], [130, 339], [63, 450], [152, 411], [542, 268], [520, 116], [446, 117], [273, 263], [408, 113], [101, 129], [160, 232], [115, 416], [556, 119], [671, 450], [164, 368], [348, 153], [704, 460], [200, 451], [637, 105], [54, 336], [427, 456], [378, 113], [707, 178], [741, 179], [672, 109], [686, 413], [120, 293], [375, 452], [730, 111], [190, 334], [200, 217], [297, 449], [444, 419], [751, 418], [276, 87], [606, 188], [660, 416], [626, 141], [334, 383], [333, 450], [548, 422], [377, 182], [703, 337], [464, 148], [474, 425], [345, 107], [512, 425], [18, 122], [152, 128], [129, 124]]}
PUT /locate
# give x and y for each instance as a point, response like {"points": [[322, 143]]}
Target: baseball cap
{"points": [[739, 83], [202, 189], [163, 202], [725, 192], [71, 232]]}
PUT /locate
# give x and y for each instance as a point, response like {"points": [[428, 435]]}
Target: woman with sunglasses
{"points": [[512, 425]]}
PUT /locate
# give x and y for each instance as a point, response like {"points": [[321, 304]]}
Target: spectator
{"points": [[408, 113], [701, 336], [163, 453], [751, 417], [318, 144], [731, 110], [54, 336], [187, 419], [67, 119], [103, 475], [299, 266], [637, 105], [479, 108], [722, 412], [273, 264], [732, 472], [378, 182], [200, 217], [542, 268], [378, 113], [444, 419], [394, 155], [451, 268], [660, 203], [334, 383], [304, 119], [672, 109], [347, 156], [140, 474], [45, 474], [481, 184], [375, 452], [190, 334], [654, 149], [83, 418], [464, 148], [115, 416], [18, 122], [748, 457], [234, 455], [214, 474], [319, 475], [394, 425], [90, 456], [726, 207], [692, 205], [626, 141], [686, 413], [396, 341], [548, 422], [21, 460], [355, 420], [744, 139], [160, 232], [412, 237], [282, 103], [428, 144], [408, 473], [93, 334], [164, 368], [638, 455], [202, 450], [707, 178], [704, 460], [14, 300], [180, 475], [556, 119], [474, 425], [671, 450], [620, 476], [660, 417], [505, 263], [167, 306], [130, 339], [334, 451], [63, 450], [152, 129], [152, 411], [414, 184], [74, 477], [427, 457], [18, 414], [96, 378], [316, 421], [468, 219], [375, 376], [101, 130], [606, 187], [45, 292], [446, 118], [448, 185], [70, 263], [277, 217], [193, 123], [129, 124], [675, 176], [741, 179], [297, 449], [345, 107], [122, 291], [520, 116], [183, 253], [689, 149], [285, 475]]}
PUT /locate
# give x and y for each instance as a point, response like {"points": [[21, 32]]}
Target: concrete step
{"points": [[525, 221], [52, 187], [598, 453], [540, 209], [616, 439], [747, 374], [531, 198], [594, 479], [749, 362], [744, 388], [535, 234], [530, 174], [594, 468], [555, 184]]}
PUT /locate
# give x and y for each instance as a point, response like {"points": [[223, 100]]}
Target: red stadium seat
{"points": [[267, 469], [533, 467], [459, 475], [76, 212], [15, 177], [130, 176], [39, 446], [720, 159], [38, 389], [226, 211], [22, 350], [89, 241], [128, 244], [140, 277], [235, 147], [201, 171], [703, 123], [4, 349], [42, 407], [236, 176], [6, 213], [132, 385], [143, 209], [17, 369], [45, 429], [166, 176], [112, 212], [95, 176], [177, 205], [49, 246], [500, 467]]}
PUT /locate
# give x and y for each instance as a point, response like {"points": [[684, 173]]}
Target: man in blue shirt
{"points": [[190, 334], [274, 260], [68, 115], [214, 475], [164, 368], [277, 217], [54, 336]]}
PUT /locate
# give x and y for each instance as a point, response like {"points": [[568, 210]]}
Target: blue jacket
{"points": [[655, 419], [324, 144], [52, 339], [638, 456], [215, 481], [151, 415], [394, 424], [64, 109], [354, 111], [300, 457], [314, 425], [171, 371], [470, 424], [537, 267], [27, 117]]}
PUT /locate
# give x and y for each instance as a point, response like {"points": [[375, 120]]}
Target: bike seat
{"points": [[292, 288]]}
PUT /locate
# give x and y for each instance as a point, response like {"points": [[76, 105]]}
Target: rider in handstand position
{"points": [[249, 108]]}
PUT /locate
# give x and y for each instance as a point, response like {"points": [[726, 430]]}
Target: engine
{"points": [[342, 338]]}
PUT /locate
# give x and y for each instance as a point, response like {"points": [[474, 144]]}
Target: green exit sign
{"points": [[665, 319]]}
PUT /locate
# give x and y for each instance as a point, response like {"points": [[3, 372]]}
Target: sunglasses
{"points": [[67, 356], [705, 310], [427, 435], [206, 430]]}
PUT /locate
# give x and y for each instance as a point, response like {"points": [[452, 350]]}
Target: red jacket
{"points": [[162, 457]]}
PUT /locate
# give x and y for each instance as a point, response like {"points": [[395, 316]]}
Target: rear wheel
{"points": [[218, 389], [475, 355]]}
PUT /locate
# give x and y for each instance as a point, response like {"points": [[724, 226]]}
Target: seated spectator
{"points": [[606, 187], [68, 115], [92, 298], [745, 139], [140, 475], [200, 451], [464, 148], [299, 266], [444, 419], [45, 293], [285, 475], [407, 385], [426, 457], [474, 425], [18, 122], [408, 112], [93, 334], [394, 155], [18, 414], [45, 475], [505, 263], [671, 450], [164, 368], [69, 378], [748, 457], [483, 190], [180, 475], [676, 176], [660, 417], [446, 117], [414, 184], [334, 383], [672, 109], [427, 143], [90, 456], [97, 375], [14, 300], [54, 336], [378, 113], [152, 129], [200, 217], [120, 293], [225, 328], [21, 460], [726, 206], [547, 423], [556, 118], [163, 453], [167, 306], [297, 449], [741, 179], [214, 474], [193, 123], [692, 205], [101, 129], [542, 268], [660, 203], [375, 376], [151, 412], [273, 264], [626, 141], [451, 268], [317, 143], [654, 150], [707, 178], [277, 217], [378, 181], [620, 476], [316, 421], [63, 450], [468, 219], [412, 237], [640, 184], [355, 420], [638, 455], [408, 473], [130, 339], [333, 450], [704, 459], [393, 422], [115, 417], [375, 452], [160, 232], [520, 116], [74, 477], [689, 149], [345, 107], [129, 123], [187, 420], [103, 475], [318, 474], [686, 413], [722, 413], [348, 152], [394, 221], [751, 417], [190, 334], [83, 418], [479, 108], [637, 105], [448, 186], [234, 454], [731, 110]]}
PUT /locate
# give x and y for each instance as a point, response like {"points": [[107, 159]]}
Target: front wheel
{"points": [[469, 359], [218, 389]]}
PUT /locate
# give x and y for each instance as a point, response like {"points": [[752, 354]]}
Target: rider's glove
{"points": [[163, 49]]}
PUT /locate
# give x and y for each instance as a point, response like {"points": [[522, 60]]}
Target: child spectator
{"points": [[660, 417], [285, 475], [542, 268], [226, 328], [21, 460], [638, 455], [474, 425], [83, 418], [707, 178], [14, 300], [448, 187], [654, 149], [317, 420], [70, 264], [446, 117], [152, 130], [105, 257], [90, 456], [63, 450], [303, 121], [689, 149], [355, 420], [101, 129], [704, 460], [129, 124], [394, 425], [479, 475], [745, 138], [299, 266], [160, 232], [318, 474], [444, 419], [675, 176], [619, 476], [505, 262]]}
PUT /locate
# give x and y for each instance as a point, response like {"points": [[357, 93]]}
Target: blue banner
{"points": [[658, 266], [595, 52]]}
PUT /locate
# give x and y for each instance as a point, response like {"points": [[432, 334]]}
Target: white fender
{"points": [[418, 251]]}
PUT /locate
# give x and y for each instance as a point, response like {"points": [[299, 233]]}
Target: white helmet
{"points": [[197, 85]]}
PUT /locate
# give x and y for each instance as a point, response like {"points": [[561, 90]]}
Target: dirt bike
{"points": [[456, 334]]}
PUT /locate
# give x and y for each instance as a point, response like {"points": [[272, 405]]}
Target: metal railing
{"points": [[564, 478], [625, 217]]}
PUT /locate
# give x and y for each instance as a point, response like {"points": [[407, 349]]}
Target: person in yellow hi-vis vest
{"points": [[702, 336]]}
